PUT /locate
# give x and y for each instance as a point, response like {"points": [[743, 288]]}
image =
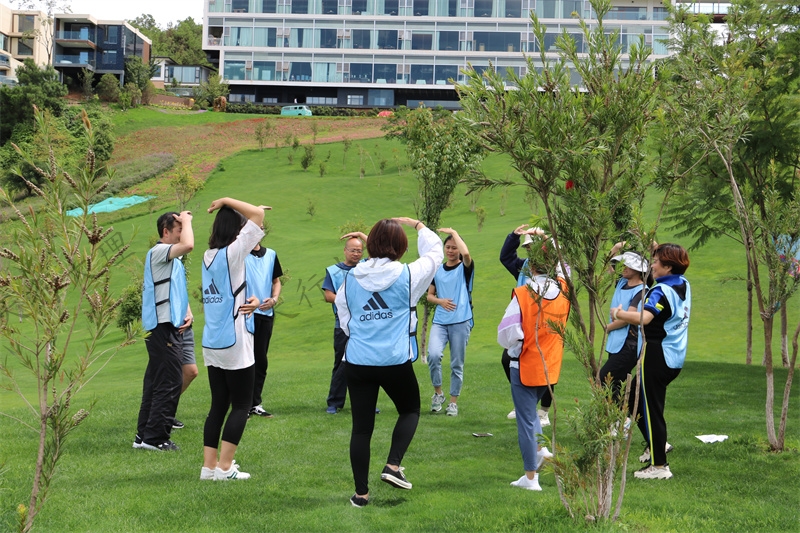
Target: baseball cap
{"points": [[632, 260]]}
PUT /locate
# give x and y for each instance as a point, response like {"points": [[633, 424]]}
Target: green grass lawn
{"points": [[299, 460], [151, 117]]}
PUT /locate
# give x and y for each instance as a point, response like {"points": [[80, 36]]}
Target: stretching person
{"points": [[624, 340], [451, 291], [517, 267], [536, 352], [376, 306], [263, 281], [227, 344], [334, 276], [165, 315], [665, 318]]}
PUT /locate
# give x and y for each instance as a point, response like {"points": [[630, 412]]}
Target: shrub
{"points": [[130, 173], [108, 88], [308, 156]]}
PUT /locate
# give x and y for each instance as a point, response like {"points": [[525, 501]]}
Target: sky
{"points": [[163, 11]]}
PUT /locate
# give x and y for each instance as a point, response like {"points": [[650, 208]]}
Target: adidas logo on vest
{"points": [[374, 308], [213, 294]]}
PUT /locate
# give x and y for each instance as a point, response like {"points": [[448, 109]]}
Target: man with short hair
{"points": [[334, 276], [165, 315]]}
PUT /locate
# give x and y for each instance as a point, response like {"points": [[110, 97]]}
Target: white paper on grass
{"points": [[712, 438]]}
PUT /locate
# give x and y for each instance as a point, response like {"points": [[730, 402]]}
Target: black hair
{"points": [[166, 222], [226, 228]]}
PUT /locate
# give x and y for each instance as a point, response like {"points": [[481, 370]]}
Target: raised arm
{"points": [[460, 244], [249, 211], [186, 243]]}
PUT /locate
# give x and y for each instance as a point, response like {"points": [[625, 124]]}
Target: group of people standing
{"points": [[374, 302]]}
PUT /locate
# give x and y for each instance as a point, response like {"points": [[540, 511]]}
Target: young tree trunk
{"points": [[784, 336], [773, 441], [749, 359]]}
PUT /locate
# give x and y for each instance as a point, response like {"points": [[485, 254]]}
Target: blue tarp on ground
{"points": [[110, 204]]}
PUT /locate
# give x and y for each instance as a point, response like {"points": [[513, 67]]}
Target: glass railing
{"points": [[4, 62], [73, 60], [82, 35]]}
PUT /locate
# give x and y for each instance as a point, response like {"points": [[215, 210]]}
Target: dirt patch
{"points": [[201, 147]]}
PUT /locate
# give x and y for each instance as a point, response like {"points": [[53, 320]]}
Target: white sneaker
{"points": [[206, 473], [528, 484], [653, 472], [645, 457], [541, 455], [452, 409], [231, 474], [544, 418], [512, 415], [436, 402]]}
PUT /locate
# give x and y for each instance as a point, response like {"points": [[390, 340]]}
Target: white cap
{"points": [[632, 260], [528, 239]]}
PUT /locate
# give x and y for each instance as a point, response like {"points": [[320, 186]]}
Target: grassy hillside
{"points": [[299, 462]]}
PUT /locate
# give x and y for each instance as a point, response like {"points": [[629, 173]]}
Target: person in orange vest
{"points": [[535, 348]]}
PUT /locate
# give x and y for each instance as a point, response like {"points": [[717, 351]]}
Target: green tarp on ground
{"points": [[110, 204]]}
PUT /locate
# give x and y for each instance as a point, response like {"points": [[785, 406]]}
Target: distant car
{"points": [[295, 111]]}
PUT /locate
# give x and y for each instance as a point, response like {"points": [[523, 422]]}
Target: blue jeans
{"points": [[458, 336], [528, 424]]}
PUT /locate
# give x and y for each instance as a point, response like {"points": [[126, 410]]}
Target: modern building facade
{"points": [[81, 41], [181, 79], [22, 36], [393, 52]]}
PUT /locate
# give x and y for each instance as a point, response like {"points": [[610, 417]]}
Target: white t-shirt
{"points": [[240, 355]]}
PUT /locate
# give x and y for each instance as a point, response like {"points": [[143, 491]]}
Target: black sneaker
{"points": [[168, 446], [396, 479], [358, 501], [177, 424], [259, 410]]}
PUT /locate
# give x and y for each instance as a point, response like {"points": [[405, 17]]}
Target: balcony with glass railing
{"points": [[5, 62], [76, 38], [74, 60]]}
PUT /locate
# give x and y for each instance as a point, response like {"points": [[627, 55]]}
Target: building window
{"points": [[239, 6], [269, 6], [4, 42], [327, 38], [109, 57], [355, 99], [112, 34], [385, 73], [513, 9], [483, 8], [268, 100], [25, 47], [300, 7], [361, 39], [387, 39], [321, 100], [444, 73], [264, 37], [26, 23], [448, 40], [422, 41], [359, 7], [390, 7], [361, 72], [330, 7]]}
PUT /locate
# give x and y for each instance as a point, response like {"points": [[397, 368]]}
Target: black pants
{"points": [[229, 388], [161, 388], [657, 376], [338, 390], [547, 398], [400, 384], [261, 338], [619, 365]]}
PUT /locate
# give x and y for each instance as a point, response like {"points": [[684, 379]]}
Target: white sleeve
{"points": [[248, 237], [431, 253], [342, 311], [509, 332]]}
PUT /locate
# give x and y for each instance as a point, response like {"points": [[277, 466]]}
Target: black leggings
{"points": [[547, 398], [261, 338], [400, 384], [229, 388]]}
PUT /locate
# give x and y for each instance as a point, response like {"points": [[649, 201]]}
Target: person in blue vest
{"points": [[624, 340], [451, 291], [165, 315], [517, 267], [376, 305], [667, 308], [334, 276], [263, 281], [227, 343]]}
